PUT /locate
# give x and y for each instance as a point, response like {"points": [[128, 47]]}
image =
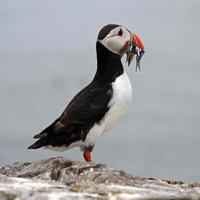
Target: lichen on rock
{"points": [[59, 178]]}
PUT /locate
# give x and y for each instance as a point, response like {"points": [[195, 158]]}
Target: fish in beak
{"points": [[135, 48]]}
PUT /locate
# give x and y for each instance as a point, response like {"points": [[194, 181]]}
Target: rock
{"points": [[59, 178]]}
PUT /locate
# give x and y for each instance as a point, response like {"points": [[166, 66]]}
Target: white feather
{"points": [[119, 103], [122, 95], [114, 42], [64, 147]]}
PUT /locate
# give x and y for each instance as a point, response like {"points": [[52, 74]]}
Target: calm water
{"points": [[47, 54]]}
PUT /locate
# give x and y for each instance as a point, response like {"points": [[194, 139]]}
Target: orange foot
{"points": [[88, 156]]}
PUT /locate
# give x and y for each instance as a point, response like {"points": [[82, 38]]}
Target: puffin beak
{"points": [[135, 47]]}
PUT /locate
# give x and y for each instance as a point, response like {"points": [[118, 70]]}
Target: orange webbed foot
{"points": [[87, 156]]}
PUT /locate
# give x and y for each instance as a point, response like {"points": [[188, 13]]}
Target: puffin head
{"points": [[120, 40]]}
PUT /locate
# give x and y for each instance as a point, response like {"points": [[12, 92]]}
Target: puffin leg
{"points": [[87, 156]]}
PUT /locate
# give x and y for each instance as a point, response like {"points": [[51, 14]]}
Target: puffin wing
{"points": [[86, 108]]}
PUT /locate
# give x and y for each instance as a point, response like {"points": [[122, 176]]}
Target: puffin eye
{"points": [[120, 33]]}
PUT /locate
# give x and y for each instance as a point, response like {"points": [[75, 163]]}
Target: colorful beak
{"points": [[135, 47]]}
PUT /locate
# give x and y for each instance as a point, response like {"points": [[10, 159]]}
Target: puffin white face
{"points": [[116, 39]]}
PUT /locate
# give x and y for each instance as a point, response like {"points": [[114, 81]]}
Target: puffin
{"points": [[98, 106]]}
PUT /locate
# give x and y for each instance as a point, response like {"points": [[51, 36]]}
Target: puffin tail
{"points": [[38, 144], [43, 136]]}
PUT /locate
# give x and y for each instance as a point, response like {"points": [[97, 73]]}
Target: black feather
{"points": [[106, 30]]}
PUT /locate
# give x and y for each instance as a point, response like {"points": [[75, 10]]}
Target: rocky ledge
{"points": [[59, 178]]}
